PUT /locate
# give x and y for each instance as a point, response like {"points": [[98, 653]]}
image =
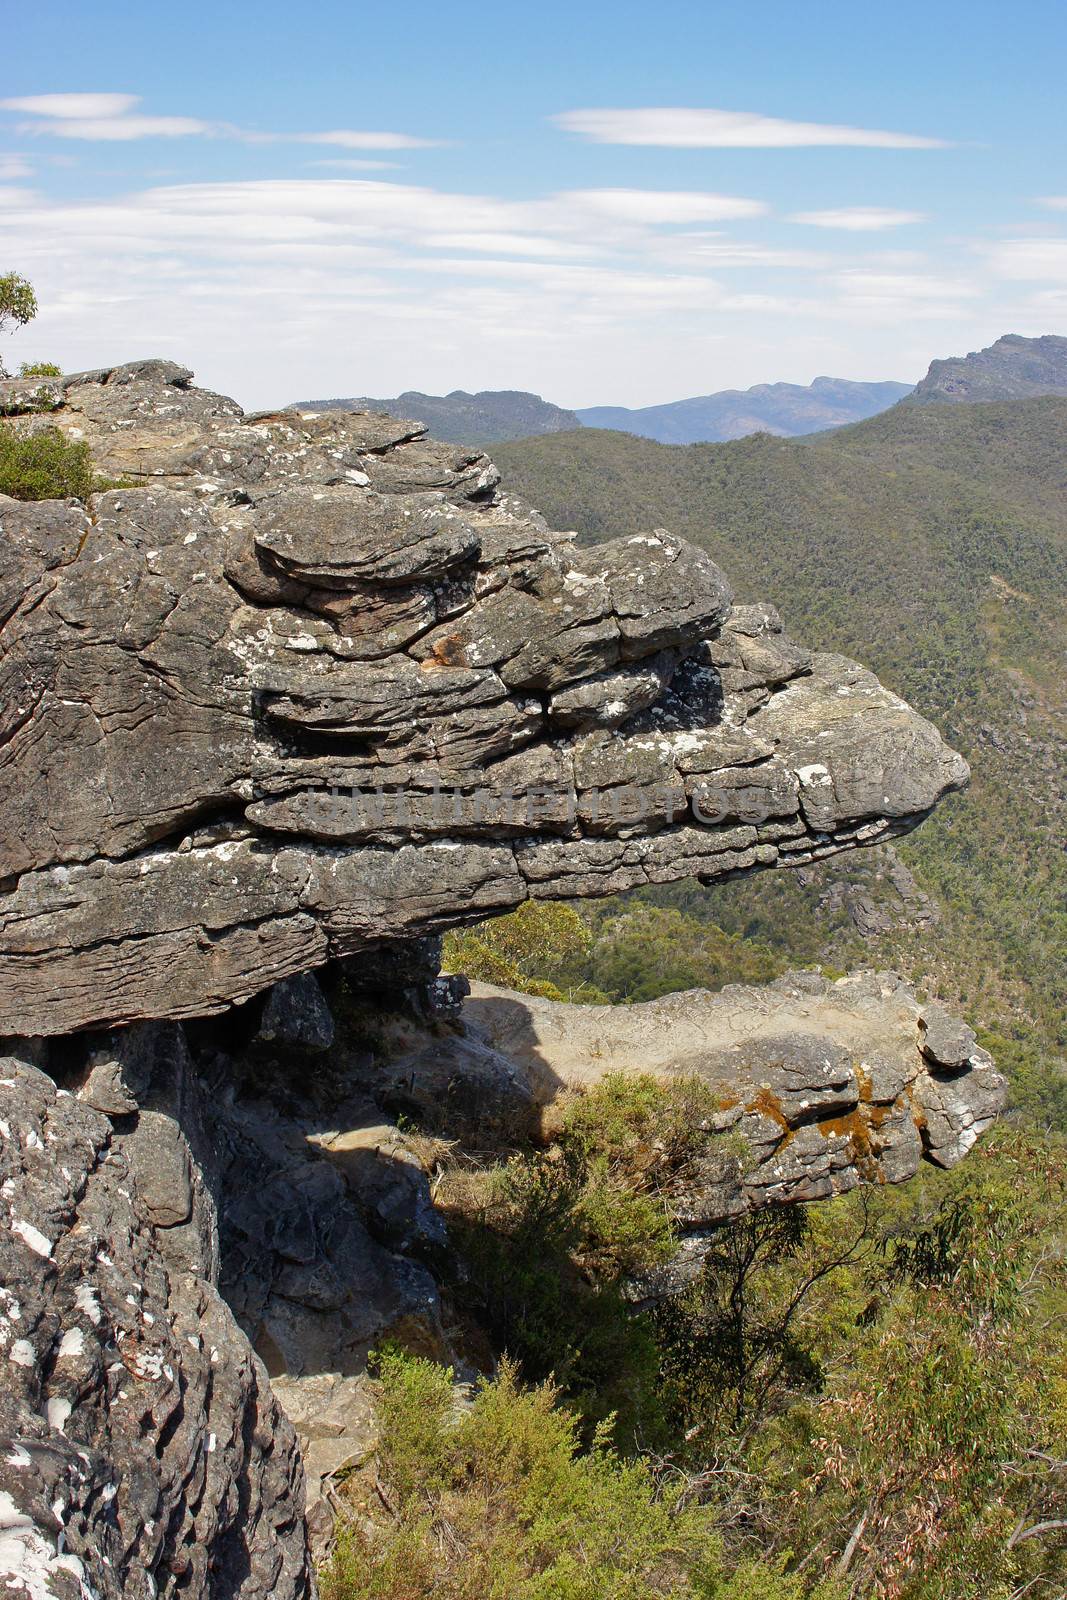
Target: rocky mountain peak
{"points": [[1012, 368]]}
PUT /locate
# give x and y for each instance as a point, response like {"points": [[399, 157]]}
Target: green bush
{"points": [[544, 1247], [501, 1502], [45, 466], [551, 1239], [40, 369]]}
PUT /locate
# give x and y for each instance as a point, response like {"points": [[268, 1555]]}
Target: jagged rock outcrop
{"points": [[308, 691], [827, 1085], [1012, 368], [317, 682], [199, 1253]]}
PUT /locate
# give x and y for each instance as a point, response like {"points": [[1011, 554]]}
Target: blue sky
{"points": [[607, 203]]}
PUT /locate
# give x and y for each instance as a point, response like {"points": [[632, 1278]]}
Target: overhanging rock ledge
{"points": [[316, 682]]}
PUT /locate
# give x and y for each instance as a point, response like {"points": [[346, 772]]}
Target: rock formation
{"points": [[827, 1084], [143, 1451], [317, 682], [299, 692]]}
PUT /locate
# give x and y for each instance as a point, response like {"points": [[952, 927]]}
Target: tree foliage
{"points": [[18, 305], [863, 1399], [501, 1501]]}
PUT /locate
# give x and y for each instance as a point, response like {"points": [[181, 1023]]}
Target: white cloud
{"points": [[690, 127], [1054, 202], [665, 205], [347, 164], [12, 167], [859, 219], [1030, 259], [874, 295], [76, 106], [513, 244], [714, 251], [335, 285], [114, 129], [112, 118], [344, 138]]}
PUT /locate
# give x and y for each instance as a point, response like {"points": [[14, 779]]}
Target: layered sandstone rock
{"points": [[316, 682], [207, 1229]]}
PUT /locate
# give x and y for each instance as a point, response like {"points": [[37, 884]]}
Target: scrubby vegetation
{"points": [[931, 543], [45, 466], [550, 1237], [637, 947], [496, 1499], [866, 1398]]}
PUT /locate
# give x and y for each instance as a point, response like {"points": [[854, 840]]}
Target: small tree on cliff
{"points": [[18, 305]]}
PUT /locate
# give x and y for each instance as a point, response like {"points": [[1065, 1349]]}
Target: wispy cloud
{"points": [[859, 219], [13, 167], [114, 117], [344, 138], [1042, 258], [652, 206], [75, 107], [1054, 202], [875, 295], [342, 284], [348, 164], [683, 127]]}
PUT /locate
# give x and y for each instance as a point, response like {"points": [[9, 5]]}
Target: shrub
{"points": [[501, 1502], [45, 466], [40, 369]]}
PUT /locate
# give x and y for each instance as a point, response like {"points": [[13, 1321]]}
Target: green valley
{"points": [[931, 543]]}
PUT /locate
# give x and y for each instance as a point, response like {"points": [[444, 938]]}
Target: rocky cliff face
{"points": [[207, 1229], [318, 682], [310, 690], [1013, 368], [484, 418]]}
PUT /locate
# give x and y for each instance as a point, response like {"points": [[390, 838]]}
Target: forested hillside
{"points": [[931, 543]]}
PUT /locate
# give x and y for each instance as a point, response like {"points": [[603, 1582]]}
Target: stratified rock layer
{"points": [[317, 683]]}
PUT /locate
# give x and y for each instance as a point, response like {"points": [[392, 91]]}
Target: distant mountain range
{"points": [[785, 409], [1011, 369], [462, 418]]}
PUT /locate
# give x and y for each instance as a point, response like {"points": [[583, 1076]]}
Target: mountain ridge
{"points": [[784, 409], [460, 417], [1013, 367]]}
